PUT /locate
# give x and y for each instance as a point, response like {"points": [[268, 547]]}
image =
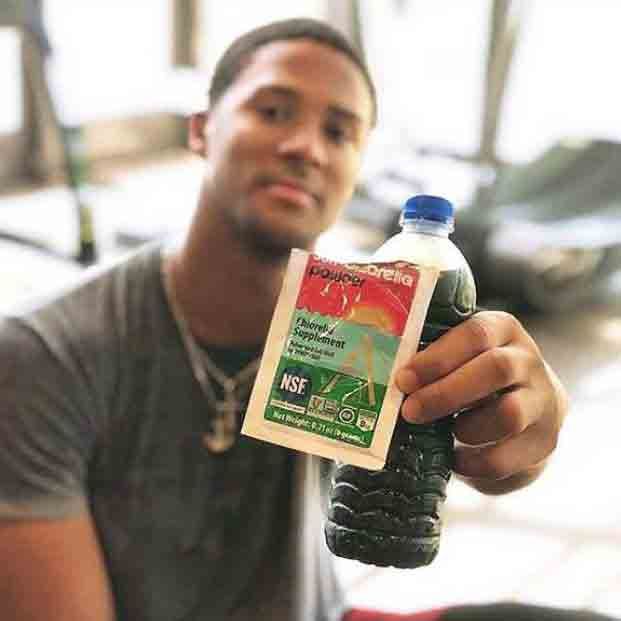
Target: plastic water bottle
{"points": [[391, 517]]}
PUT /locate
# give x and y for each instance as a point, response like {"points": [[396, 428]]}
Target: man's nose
{"points": [[305, 142]]}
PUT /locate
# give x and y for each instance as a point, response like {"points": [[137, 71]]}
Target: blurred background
{"points": [[508, 108]]}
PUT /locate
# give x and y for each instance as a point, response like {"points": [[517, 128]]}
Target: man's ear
{"points": [[197, 139]]}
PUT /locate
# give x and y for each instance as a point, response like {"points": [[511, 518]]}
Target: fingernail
{"points": [[410, 410], [406, 380]]}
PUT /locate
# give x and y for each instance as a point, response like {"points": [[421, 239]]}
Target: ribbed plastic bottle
{"points": [[391, 517]]}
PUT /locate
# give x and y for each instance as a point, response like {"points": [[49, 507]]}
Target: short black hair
{"points": [[239, 53]]}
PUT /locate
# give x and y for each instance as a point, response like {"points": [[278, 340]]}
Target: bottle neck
{"points": [[427, 227]]}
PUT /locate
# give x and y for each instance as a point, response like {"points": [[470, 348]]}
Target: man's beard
{"points": [[267, 246]]}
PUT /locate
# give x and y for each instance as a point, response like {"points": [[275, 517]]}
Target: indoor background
{"points": [[508, 108]]}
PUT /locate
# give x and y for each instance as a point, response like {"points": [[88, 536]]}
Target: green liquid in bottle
{"points": [[391, 517]]}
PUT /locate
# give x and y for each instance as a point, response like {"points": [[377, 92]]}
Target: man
{"points": [[123, 493]]}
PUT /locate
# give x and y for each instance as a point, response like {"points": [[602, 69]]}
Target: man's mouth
{"points": [[292, 192]]}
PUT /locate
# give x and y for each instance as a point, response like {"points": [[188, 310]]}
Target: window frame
{"points": [[32, 156]]}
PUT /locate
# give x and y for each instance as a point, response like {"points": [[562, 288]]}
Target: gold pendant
{"points": [[218, 443], [223, 434]]}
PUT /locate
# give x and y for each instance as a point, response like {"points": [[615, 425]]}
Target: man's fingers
{"points": [[480, 333], [501, 417], [506, 458], [490, 372]]}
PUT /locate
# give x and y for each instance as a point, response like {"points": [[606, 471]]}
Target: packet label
{"points": [[338, 334]]}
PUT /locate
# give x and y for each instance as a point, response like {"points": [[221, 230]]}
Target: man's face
{"points": [[283, 144]]}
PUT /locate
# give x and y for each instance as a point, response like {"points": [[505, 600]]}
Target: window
{"points": [[12, 117], [110, 59], [428, 59], [110, 72], [11, 113], [223, 21], [563, 82]]}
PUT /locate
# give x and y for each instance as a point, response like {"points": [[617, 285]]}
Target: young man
{"points": [[125, 490]]}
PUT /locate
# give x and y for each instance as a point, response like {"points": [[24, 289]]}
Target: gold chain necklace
{"points": [[223, 432]]}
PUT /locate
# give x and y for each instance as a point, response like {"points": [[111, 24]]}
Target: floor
{"points": [[555, 543]]}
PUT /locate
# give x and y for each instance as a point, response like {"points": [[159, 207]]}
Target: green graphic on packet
{"points": [[332, 377]]}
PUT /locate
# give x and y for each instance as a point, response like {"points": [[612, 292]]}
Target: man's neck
{"points": [[226, 294]]}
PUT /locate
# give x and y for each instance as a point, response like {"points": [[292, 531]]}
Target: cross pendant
{"points": [[221, 436]]}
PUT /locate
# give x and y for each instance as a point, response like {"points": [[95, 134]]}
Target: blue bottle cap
{"points": [[427, 207]]}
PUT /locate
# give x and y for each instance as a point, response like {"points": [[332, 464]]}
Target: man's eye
{"points": [[273, 113], [337, 133]]}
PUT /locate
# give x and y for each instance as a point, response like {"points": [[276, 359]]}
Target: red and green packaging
{"points": [[338, 335]]}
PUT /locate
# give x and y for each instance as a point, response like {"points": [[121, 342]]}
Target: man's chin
{"points": [[271, 247]]}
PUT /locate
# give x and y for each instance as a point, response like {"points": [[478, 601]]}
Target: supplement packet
{"points": [[338, 335]]}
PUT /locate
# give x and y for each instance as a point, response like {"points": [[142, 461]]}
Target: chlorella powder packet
{"points": [[339, 334]]}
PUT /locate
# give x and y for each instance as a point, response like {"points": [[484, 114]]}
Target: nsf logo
{"points": [[295, 385]]}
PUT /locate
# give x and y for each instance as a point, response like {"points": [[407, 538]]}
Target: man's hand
{"points": [[511, 404]]}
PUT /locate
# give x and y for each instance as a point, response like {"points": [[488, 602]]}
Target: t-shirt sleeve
{"points": [[46, 429]]}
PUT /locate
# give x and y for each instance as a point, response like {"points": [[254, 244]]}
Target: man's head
{"points": [[239, 53], [291, 109]]}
